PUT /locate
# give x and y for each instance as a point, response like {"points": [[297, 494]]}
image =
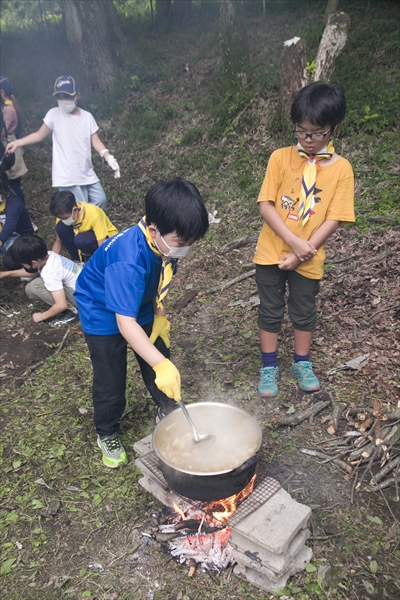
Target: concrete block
{"points": [[273, 525], [262, 558], [161, 483], [258, 579], [166, 497], [144, 446]]}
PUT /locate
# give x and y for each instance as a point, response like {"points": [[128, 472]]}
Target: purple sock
{"points": [[299, 358], [269, 359]]}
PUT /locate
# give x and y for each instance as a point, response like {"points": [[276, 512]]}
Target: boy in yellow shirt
{"points": [[308, 192], [81, 227]]}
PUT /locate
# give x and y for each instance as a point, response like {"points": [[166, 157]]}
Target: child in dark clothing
{"points": [[121, 295], [80, 227], [14, 221]]}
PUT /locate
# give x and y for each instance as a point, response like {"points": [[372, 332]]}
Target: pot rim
{"points": [[206, 473]]}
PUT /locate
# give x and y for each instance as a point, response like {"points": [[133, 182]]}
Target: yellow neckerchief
{"points": [[8, 102], [81, 213], [168, 266], [310, 178], [2, 209]]}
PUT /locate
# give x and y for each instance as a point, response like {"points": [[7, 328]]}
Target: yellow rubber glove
{"points": [[161, 327], [168, 379]]}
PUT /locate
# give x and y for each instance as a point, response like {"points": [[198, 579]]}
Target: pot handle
{"points": [[249, 463]]}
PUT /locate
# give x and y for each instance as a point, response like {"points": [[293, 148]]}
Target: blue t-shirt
{"points": [[120, 278]]}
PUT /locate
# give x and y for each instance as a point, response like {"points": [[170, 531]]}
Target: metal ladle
{"points": [[197, 437]]}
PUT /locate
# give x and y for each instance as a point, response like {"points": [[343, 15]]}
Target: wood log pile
{"points": [[369, 449]]}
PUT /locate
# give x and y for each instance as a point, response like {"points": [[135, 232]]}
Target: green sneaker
{"points": [[305, 376], [113, 451], [268, 386]]}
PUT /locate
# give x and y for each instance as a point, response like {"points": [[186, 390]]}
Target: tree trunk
{"points": [[183, 9], [332, 43], [235, 51], [116, 27], [163, 9], [331, 7], [293, 63], [90, 37]]}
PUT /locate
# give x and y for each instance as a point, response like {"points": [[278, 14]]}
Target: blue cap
{"points": [[65, 85]]}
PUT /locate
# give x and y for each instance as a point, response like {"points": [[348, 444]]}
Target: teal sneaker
{"points": [[268, 386], [305, 376], [113, 451]]}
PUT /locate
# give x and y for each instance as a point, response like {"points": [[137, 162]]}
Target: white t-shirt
{"points": [[59, 272], [72, 147]]}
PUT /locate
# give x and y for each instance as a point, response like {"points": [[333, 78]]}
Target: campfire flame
{"points": [[210, 544], [220, 510], [230, 504]]}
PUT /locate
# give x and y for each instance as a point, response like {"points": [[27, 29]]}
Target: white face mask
{"points": [[69, 221], [174, 252], [67, 106]]}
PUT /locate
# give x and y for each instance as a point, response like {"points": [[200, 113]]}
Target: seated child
{"points": [[14, 220], [80, 227], [53, 282], [121, 295]]}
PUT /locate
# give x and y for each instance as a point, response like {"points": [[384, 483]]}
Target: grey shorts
{"points": [[271, 283]]}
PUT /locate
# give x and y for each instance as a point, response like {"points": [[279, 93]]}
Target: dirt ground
{"points": [[216, 349]]}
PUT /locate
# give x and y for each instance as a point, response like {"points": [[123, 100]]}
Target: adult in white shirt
{"points": [[74, 132]]}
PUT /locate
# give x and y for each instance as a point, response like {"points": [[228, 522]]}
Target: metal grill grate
{"points": [[264, 489]]}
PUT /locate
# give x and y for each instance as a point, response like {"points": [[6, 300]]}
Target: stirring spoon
{"points": [[197, 437]]}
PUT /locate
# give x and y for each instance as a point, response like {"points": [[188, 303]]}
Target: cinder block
{"points": [[161, 483], [258, 579], [144, 446], [166, 497], [273, 525], [261, 558]]}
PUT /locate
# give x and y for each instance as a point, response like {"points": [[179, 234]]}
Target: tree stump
{"points": [[293, 64], [332, 43]]}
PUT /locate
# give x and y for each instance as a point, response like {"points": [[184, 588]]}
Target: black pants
{"points": [[108, 354], [86, 241]]}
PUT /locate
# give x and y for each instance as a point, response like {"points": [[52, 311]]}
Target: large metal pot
{"points": [[208, 470]]}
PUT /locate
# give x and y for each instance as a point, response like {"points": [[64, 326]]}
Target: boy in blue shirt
{"points": [[121, 296]]}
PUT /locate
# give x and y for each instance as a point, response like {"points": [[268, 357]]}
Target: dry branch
{"points": [[223, 286], [245, 240], [336, 461], [297, 418]]}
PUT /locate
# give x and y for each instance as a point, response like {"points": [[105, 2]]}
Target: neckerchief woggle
{"points": [[168, 265], [310, 177]]}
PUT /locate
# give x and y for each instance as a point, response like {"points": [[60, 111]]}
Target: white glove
{"points": [[112, 162]]}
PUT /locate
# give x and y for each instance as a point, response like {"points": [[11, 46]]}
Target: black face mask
{"points": [[31, 269]]}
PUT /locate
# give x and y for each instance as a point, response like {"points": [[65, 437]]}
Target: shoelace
{"points": [[113, 444], [269, 375]]}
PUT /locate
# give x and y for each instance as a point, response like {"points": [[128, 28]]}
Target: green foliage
{"points": [[27, 14]]}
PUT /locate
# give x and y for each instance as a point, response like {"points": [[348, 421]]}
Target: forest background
{"points": [[177, 100]]}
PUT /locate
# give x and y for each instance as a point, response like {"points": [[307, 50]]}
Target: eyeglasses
{"points": [[302, 135]]}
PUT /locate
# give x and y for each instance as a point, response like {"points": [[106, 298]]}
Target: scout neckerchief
{"points": [[168, 266], [310, 177], [2, 209]]}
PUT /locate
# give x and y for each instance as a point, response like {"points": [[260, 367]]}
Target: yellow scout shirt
{"points": [[93, 218], [333, 200]]}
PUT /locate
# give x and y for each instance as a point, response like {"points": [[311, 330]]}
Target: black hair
{"points": [[176, 206], [27, 248], [62, 203], [4, 183], [321, 103]]}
